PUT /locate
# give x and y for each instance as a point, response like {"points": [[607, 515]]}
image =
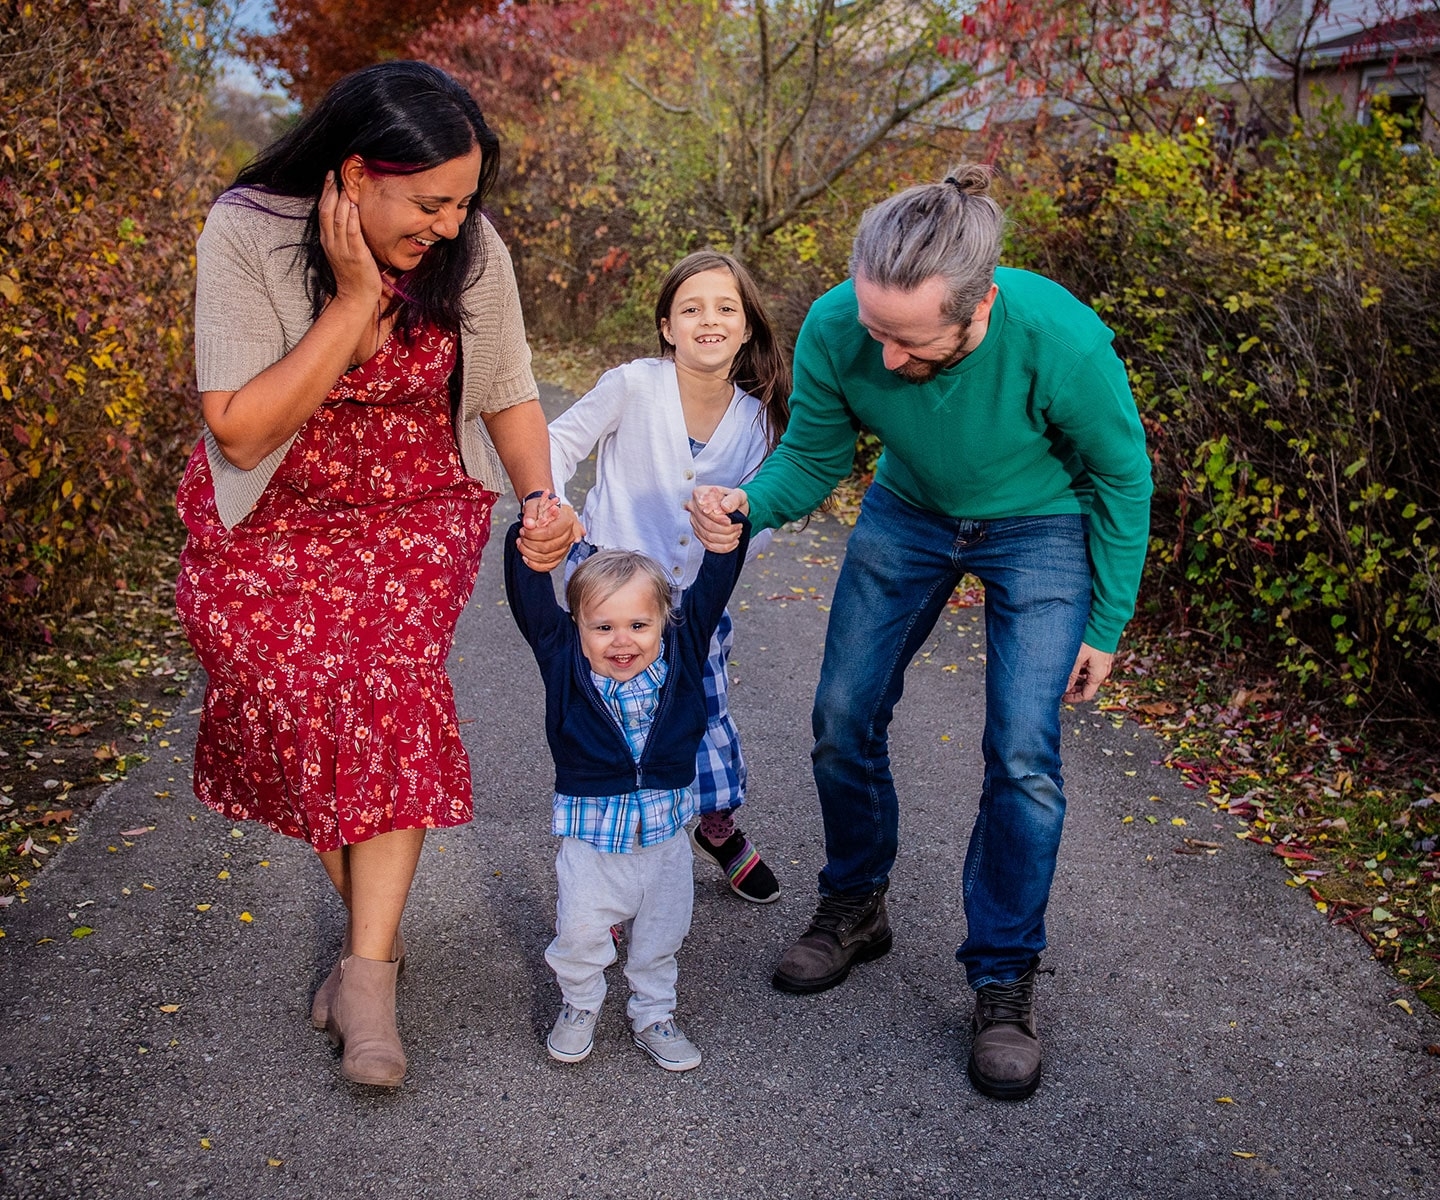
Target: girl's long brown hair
{"points": [[761, 367]]}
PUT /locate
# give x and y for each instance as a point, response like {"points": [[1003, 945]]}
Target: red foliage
{"points": [[516, 57], [317, 41], [100, 201]]}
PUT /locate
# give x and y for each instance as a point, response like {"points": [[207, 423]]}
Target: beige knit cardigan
{"points": [[251, 308]]}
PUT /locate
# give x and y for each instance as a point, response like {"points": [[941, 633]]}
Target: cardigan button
{"points": [[689, 474], [685, 541]]}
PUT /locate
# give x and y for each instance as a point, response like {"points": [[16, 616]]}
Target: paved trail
{"points": [[1178, 980]]}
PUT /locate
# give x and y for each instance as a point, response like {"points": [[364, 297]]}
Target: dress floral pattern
{"points": [[324, 618]]}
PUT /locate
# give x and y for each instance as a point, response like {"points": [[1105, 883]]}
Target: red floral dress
{"points": [[324, 618]]}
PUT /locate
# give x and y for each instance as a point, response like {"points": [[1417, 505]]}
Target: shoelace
{"points": [[1010, 1003], [837, 914]]}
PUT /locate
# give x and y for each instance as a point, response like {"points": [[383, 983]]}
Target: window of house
{"points": [[1404, 89]]}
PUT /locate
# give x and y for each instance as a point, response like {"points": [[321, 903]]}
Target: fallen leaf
{"points": [[81, 931], [169, 1008], [204, 1143], [223, 875], [1158, 708], [1404, 1004], [202, 908], [57, 816], [246, 917], [140, 832], [1379, 915], [1223, 1100], [275, 1162], [1242, 1154]]}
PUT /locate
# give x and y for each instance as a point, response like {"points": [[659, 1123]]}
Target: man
{"points": [[1013, 451]]}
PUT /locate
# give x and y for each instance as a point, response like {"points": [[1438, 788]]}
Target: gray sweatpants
{"points": [[651, 891]]}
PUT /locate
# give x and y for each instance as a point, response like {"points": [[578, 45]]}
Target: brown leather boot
{"points": [[362, 1019], [845, 930], [1005, 1052], [325, 994]]}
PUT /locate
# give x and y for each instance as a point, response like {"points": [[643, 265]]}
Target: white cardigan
{"points": [[644, 471]]}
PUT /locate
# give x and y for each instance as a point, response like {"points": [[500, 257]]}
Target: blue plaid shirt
{"points": [[647, 817]]}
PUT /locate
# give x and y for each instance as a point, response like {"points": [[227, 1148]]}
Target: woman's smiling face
{"points": [[402, 216]]}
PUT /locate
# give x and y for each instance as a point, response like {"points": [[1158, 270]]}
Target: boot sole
{"points": [[805, 987], [1002, 1091]]}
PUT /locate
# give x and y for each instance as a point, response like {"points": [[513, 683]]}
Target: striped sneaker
{"points": [[745, 870]]}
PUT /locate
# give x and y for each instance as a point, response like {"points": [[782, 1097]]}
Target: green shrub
{"points": [[1282, 329]]}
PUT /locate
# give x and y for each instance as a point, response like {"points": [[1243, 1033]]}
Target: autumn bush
{"points": [[101, 194], [1281, 322]]}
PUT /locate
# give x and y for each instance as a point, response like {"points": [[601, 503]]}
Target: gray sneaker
{"points": [[573, 1036], [668, 1046]]}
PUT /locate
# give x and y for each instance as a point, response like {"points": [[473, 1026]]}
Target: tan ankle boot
{"points": [[325, 994], [362, 1019]]}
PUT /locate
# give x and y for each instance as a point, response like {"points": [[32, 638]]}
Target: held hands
{"points": [[1091, 669], [548, 529], [710, 508], [357, 275]]}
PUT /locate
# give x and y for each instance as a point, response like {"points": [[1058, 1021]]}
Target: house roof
{"points": [[1411, 37]]}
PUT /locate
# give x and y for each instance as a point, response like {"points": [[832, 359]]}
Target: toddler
{"points": [[625, 711]]}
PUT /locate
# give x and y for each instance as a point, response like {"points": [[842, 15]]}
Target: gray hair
{"points": [[952, 229], [607, 571]]}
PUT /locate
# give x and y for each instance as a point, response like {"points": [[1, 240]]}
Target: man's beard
{"points": [[921, 371]]}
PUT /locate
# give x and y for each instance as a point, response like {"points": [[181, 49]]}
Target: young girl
{"points": [[625, 709], [708, 410]]}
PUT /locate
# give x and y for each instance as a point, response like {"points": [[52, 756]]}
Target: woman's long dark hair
{"points": [[401, 118], [760, 367]]}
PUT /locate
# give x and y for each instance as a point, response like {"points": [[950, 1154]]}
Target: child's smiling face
{"points": [[620, 633], [707, 323]]}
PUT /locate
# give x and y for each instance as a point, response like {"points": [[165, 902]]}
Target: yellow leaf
{"points": [[8, 287], [275, 1162], [204, 1143], [169, 1008], [223, 875], [1242, 1154], [1126, 820], [1402, 1003], [202, 908], [1177, 820], [1223, 1100], [246, 917], [81, 931]]}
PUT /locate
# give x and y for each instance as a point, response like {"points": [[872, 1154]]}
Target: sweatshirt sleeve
{"points": [[818, 449], [704, 601], [531, 596], [1094, 409], [575, 432]]}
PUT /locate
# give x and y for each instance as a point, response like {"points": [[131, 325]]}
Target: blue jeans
{"points": [[900, 569]]}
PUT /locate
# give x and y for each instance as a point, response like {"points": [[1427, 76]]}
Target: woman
{"points": [[348, 289]]}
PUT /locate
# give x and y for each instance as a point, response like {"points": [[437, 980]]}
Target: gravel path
{"points": [[1207, 1035]]}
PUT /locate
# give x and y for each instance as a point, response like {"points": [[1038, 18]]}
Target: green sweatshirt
{"points": [[1038, 420]]}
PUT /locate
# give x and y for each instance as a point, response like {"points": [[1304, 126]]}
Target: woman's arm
{"points": [[523, 444], [251, 422]]}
